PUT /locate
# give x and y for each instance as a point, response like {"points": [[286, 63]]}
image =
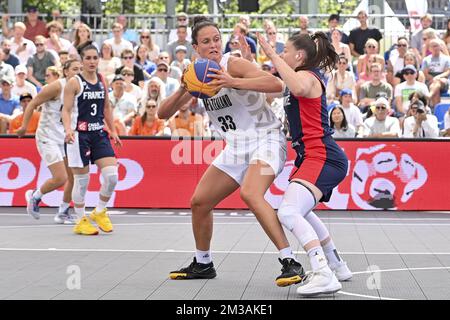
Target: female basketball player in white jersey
{"points": [[50, 144], [255, 153]]}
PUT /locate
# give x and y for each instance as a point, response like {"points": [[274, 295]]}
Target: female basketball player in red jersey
{"points": [[254, 155], [321, 163]]}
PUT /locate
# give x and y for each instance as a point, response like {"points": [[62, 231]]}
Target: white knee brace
{"points": [[110, 176], [80, 184]]}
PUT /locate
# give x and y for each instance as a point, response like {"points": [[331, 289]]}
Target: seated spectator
{"points": [[162, 71], [83, 36], [404, 89], [148, 124], [56, 43], [186, 123], [147, 40], [20, 46], [340, 79], [117, 42], [366, 60], [16, 122], [182, 20], [240, 30], [174, 72], [34, 25], [142, 60], [338, 121], [396, 60], [130, 87], [6, 70], [420, 124], [23, 86], [272, 38], [340, 47], [429, 37], [376, 85], [180, 59], [108, 64], [124, 104], [447, 124], [128, 60], [437, 70], [9, 104], [409, 59], [382, 125], [333, 23], [154, 89], [9, 58], [181, 41], [352, 113], [128, 34], [38, 64], [446, 35]]}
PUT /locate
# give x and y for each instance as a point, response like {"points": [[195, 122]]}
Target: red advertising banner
{"points": [[391, 174]]}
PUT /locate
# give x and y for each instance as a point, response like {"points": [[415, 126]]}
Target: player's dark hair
{"points": [[67, 65], [344, 123], [319, 51], [85, 47], [201, 22]]}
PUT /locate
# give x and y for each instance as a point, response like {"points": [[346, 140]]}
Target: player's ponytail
{"points": [[199, 23], [319, 51]]}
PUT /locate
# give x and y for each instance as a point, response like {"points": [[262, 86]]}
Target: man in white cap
{"points": [[162, 72], [22, 85], [381, 125], [404, 89], [180, 60]]}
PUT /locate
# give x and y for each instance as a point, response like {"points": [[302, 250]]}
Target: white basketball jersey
{"points": [[50, 123], [240, 112]]}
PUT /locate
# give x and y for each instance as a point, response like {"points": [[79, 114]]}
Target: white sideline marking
{"points": [[365, 296], [402, 269]]}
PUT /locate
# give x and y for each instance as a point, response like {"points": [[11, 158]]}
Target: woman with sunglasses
{"points": [[321, 163], [339, 47], [254, 155], [409, 59], [340, 79], [364, 61], [146, 40], [148, 124], [50, 144], [142, 60]]}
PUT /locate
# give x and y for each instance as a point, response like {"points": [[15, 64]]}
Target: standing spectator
{"points": [[333, 23], [404, 89], [359, 36], [39, 62], [181, 41], [144, 62], [240, 30], [396, 61], [370, 89], [162, 72], [20, 46], [130, 87], [186, 123], [154, 89], [436, 68], [6, 70], [9, 104], [9, 58], [83, 36], [23, 86], [128, 60], [147, 40], [417, 38], [352, 113], [180, 58], [108, 64], [340, 47], [17, 120], [117, 42], [148, 124], [410, 59], [303, 23], [245, 20], [129, 35], [182, 20], [366, 60], [272, 38], [340, 79], [338, 122], [420, 124], [34, 26], [382, 125], [56, 43], [174, 72], [124, 104]]}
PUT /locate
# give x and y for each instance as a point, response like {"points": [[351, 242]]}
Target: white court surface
{"points": [[394, 255]]}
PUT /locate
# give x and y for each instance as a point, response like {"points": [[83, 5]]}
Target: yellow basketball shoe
{"points": [[102, 220], [85, 227]]}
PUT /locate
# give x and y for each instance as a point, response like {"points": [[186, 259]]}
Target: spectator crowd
{"points": [[370, 94]]}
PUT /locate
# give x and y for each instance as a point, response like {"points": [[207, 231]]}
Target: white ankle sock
{"points": [[100, 206], [331, 253], [286, 253], [63, 206], [80, 212], [203, 256], [315, 257], [37, 194]]}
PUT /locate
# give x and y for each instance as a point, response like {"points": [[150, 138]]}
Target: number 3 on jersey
{"points": [[227, 123], [94, 110]]}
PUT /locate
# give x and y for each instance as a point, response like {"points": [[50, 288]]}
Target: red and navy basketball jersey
{"points": [[90, 103], [308, 118]]}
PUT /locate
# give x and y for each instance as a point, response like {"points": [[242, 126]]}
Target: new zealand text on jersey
{"points": [[218, 103], [91, 95]]}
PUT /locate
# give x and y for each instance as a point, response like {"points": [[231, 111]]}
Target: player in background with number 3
{"points": [[254, 155], [86, 108]]}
